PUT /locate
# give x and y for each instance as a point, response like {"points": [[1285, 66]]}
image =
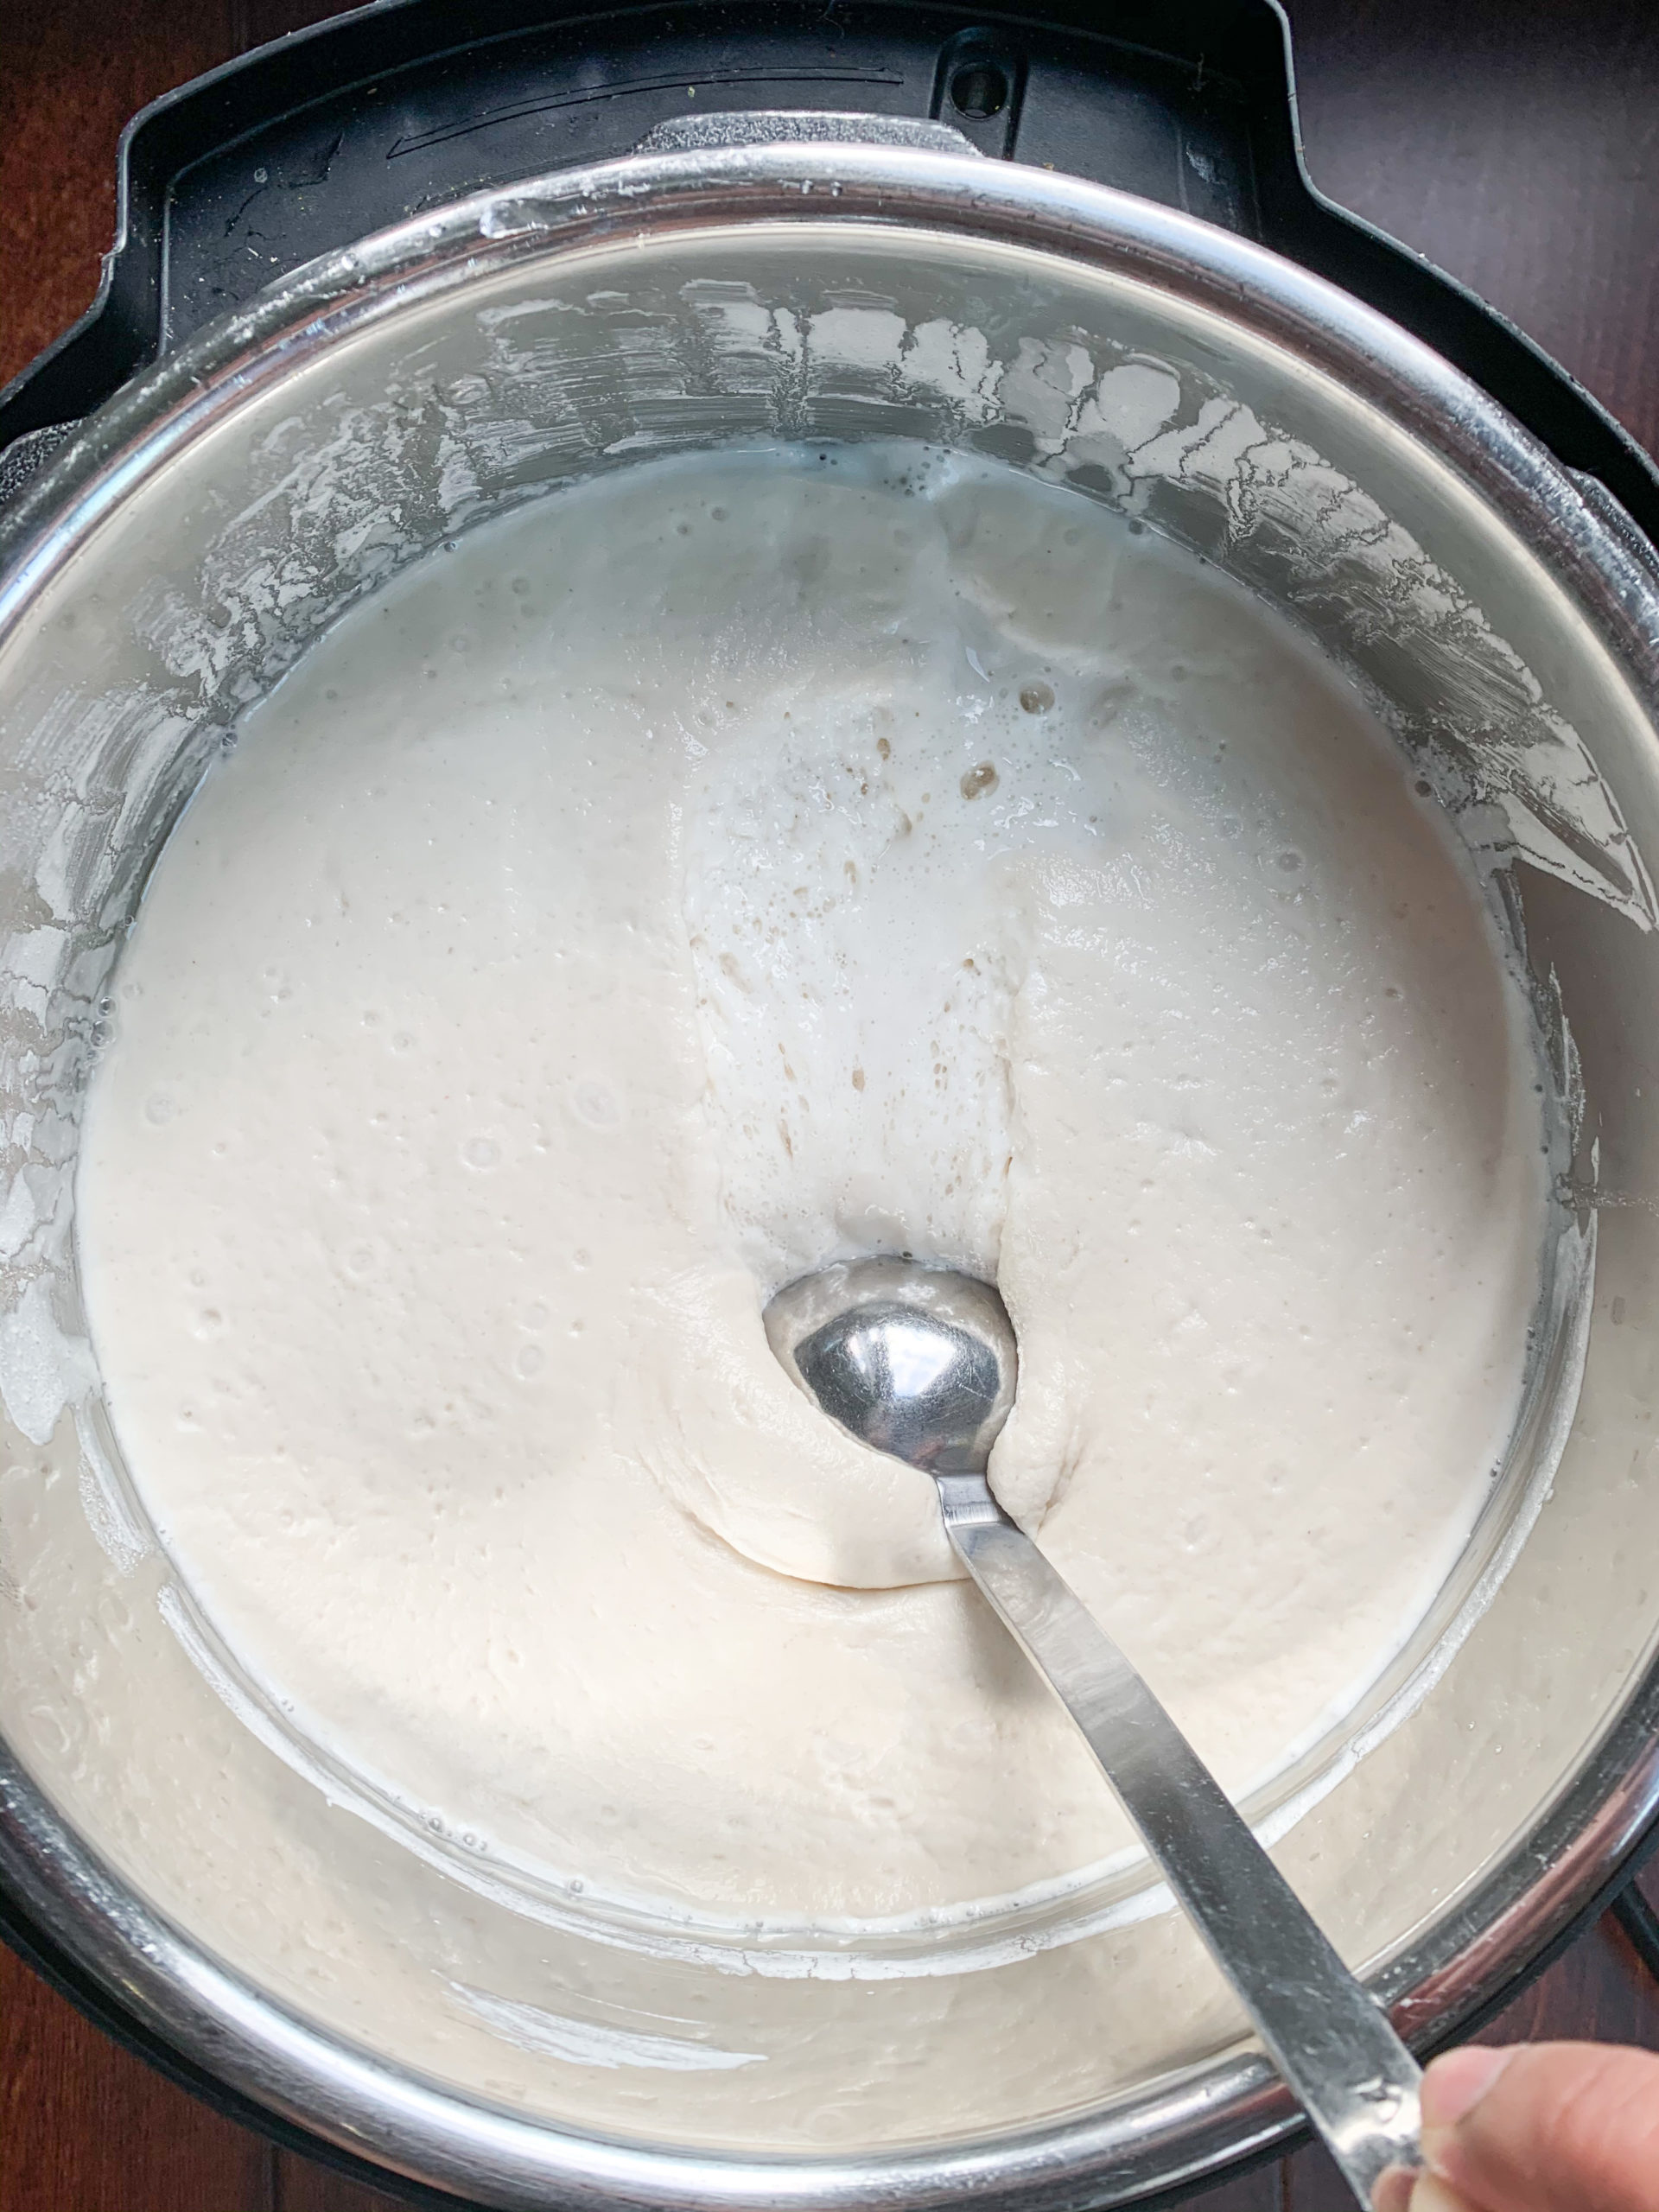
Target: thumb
{"points": [[1543, 2127]]}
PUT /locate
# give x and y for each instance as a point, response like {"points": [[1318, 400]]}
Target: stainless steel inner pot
{"points": [[323, 1948]]}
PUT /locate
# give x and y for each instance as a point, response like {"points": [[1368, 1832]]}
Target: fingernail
{"points": [[1455, 2084]]}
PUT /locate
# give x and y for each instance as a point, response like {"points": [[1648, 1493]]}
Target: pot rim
{"points": [[1214, 2113]]}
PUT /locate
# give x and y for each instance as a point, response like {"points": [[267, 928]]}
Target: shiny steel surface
{"points": [[923, 1362], [1562, 1850], [919, 1362]]}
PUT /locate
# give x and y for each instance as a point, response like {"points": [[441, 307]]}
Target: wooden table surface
{"points": [[1514, 142]]}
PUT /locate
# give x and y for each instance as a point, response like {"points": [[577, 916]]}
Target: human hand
{"points": [[1537, 2127]]}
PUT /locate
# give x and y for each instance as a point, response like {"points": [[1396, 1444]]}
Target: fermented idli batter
{"points": [[737, 863]]}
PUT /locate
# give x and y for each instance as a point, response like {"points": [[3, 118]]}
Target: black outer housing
{"points": [[333, 133]]}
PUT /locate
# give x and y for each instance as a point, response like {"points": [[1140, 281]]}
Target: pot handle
{"points": [[689, 134]]}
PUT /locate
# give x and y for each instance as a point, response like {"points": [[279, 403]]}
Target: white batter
{"points": [[738, 863]]}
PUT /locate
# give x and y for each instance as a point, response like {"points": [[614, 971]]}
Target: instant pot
{"points": [[382, 282]]}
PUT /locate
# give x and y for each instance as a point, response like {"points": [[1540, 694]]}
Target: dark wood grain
{"points": [[1517, 144], [86, 2127], [303, 2186], [70, 76], [71, 73], [1263, 2190]]}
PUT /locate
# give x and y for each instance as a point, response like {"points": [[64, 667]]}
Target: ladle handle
{"points": [[1328, 2037]]}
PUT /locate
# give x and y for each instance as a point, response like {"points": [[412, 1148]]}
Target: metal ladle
{"points": [[923, 1364]]}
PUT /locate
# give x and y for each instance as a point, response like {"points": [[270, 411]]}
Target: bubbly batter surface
{"points": [[737, 863]]}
